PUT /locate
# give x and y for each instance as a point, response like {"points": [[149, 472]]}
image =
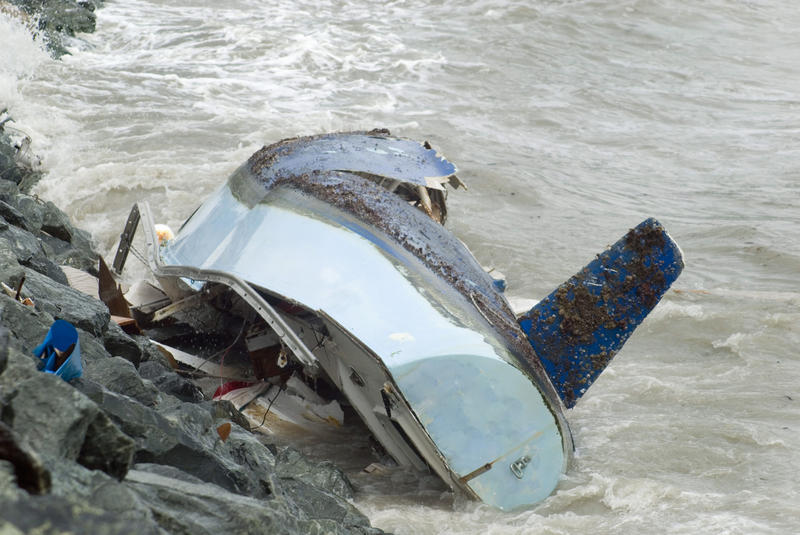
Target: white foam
{"points": [[21, 56]]}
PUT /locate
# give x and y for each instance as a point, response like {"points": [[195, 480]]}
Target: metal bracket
{"points": [[125, 240], [518, 466]]}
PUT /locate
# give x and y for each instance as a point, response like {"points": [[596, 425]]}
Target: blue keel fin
{"points": [[578, 328]]}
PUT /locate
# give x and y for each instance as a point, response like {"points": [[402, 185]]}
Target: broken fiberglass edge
{"points": [[337, 241]]}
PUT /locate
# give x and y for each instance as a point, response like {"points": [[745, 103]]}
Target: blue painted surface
{"points": [[578, 328], [61, 336]]}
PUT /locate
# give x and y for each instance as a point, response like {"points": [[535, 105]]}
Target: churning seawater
{"points": [[571, 121]]}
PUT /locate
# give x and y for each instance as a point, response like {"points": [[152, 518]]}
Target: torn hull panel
{"points": [[373, 153]]}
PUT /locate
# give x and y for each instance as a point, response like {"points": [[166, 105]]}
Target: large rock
{"points": [[63, 302], [27, 325], [65, 515], [119, 375], [57, 224], [63, 244], [59, 243], [206, 509], [12, 167], [185, 436], [19, 368], [328, 509], [8, 188], [320, 489], [60, 423], [170, 382], [13, 216], [291, 464], [59, 18], [29, 251], [66, 254], [29, 472], [106, 448], [118, 343], [153, 433], [32, 210], [52, 416], [200, 452]]}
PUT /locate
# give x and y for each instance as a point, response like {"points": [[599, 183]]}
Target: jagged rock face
{"points": [[63, 302], [170, 382], [11, 169], [29, 472], [58, 18], [57, 423], [67, 451], [291, 464], [187, 478], [131, 447], [66, 16]]}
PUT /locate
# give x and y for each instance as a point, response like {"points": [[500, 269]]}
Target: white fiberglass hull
{"points": [[451, 384]]}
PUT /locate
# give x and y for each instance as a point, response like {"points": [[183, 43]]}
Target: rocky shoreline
{"points": [[131, 446], [54, 21]]}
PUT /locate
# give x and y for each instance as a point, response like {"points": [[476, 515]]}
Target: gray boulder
{"points": [[58, 422], [95, 503], [206, 509], [328, 509], [120, 376], [13, 216], [29, 251], [32, 211], [170, 382], [8, 188], [29, 472], [63, 515], [61, 301], [184, 436], [12, 168], [27, 325], [60, 18], [151, 353], [152, 433], [291, 464], [118, 343], [92, 349], [106, 448], [200, 452], [62, 424]]}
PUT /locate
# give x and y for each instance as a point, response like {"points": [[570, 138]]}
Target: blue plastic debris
{"points": [[61, 343]]}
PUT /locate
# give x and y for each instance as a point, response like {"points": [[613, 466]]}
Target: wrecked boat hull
{"points": [[418, 361], [337, 243]]}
